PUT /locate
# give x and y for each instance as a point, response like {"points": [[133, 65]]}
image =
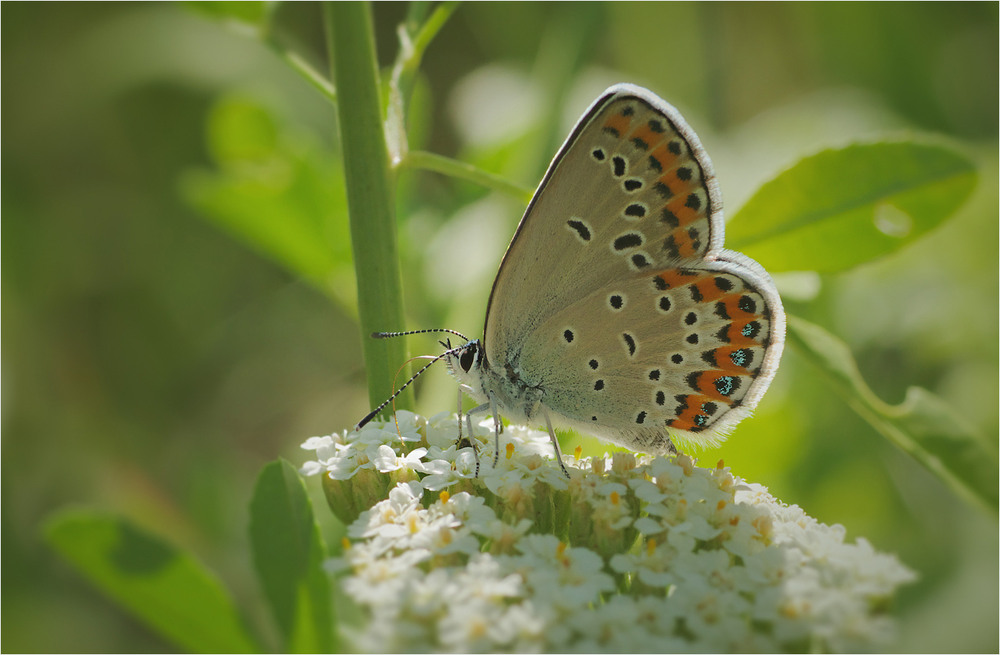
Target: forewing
{"points": [[630, 191]]}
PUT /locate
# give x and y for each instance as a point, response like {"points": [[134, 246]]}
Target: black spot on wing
{"points": [[629, 343], [580, 228]]}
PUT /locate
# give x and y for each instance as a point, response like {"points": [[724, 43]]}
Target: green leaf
{"points": [[278, 193], [923, 425], [250, 14], [841, 208], [288, 555], [165, 588]]}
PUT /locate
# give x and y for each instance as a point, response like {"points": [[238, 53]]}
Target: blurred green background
{"points": [[158, 353]]}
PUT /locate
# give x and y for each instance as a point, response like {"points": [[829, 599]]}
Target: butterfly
{"points": [[616, 310]]}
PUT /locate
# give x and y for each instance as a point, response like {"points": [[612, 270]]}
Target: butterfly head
{"points": [[466, 363]]}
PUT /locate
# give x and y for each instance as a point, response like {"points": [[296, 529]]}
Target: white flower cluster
{"points": [[631, 554]]}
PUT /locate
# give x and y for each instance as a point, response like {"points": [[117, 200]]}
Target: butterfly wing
{"points": [[615, 296]]}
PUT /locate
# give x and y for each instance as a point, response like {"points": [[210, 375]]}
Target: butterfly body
{"points": [[616, 311], [517, 397]]}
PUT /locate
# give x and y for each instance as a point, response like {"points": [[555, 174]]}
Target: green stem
{"points": [[429, 30], [447, 166], [305, 69], [413, 41], [267, 36], [370, 190]]}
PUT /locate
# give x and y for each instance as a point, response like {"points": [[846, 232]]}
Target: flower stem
{"points": [[370, 190]]}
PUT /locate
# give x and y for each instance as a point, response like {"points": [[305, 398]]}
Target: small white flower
{"points": [[327, 449], [566, 577], [392, 518], [441, 475], [470, 510], [324, 446], [409, 425], [468, 627], [646, 491], [313, 468], [609, 505], [506, 483], [501, 534], [442, 431], [348, 462], [651, 565], [386, 459], [378, 581], [522, 626]]}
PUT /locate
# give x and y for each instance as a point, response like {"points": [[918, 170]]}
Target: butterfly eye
{"points": [[467, 359]]}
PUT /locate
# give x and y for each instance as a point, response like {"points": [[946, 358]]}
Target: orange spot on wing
{"points": [[666, 158], [618, 123], [678, 204], [648, 136], [686, 419], [706, 385], [681, 188], [708, 289], [732, 304], [725, 362], [736, 337], [675, 277], [685, 244]]}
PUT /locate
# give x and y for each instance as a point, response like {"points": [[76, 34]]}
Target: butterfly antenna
{"points": [[395, 417], [388, 400], [389, 335]]}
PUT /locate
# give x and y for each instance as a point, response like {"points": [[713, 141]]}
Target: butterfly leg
{"points": [[497, 429], [555, 443], [471, 441], [460, 416], [468, 417], [497, 425]]}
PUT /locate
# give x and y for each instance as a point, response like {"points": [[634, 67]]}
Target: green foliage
{"points": [[278, 193], [253, 14], [164, 587], [842, 208], [176, 596], [924, 425], [288, 556]]}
